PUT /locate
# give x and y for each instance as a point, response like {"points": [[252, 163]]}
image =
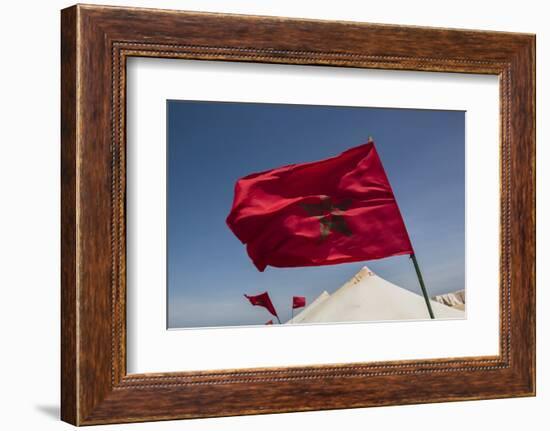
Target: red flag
{"points": [[269, 322], [262, 300], [298, 301], [336, 210]]}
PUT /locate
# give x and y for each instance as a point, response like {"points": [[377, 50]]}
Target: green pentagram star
{"points": [[330, 216]]}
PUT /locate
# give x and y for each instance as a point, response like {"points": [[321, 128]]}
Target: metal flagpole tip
{"points": [[370, 140]]}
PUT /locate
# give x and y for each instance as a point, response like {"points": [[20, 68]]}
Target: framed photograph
{"points": [[267, 215]]}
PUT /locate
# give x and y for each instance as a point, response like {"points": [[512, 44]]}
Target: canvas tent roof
{"points": [[368, 297], [453, 299]]}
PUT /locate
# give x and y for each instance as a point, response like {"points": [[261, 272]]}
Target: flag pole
{"points": [[421, 281], [279, 320]]}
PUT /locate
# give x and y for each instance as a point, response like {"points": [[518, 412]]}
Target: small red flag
{"points": [[269, 322], [262, 300], [336, 210], [298, 301]]}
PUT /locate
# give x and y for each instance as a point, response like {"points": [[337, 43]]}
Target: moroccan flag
{"points": [[298, 301], [336, 210], [262, 300]]}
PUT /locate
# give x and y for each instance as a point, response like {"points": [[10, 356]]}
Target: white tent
{"points": [[453, 299], [367, 297]]}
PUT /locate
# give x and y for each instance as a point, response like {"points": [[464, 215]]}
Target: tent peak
{"points": [[364, 272], [367, 269]]}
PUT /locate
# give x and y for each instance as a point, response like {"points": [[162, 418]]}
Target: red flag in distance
{"points": [[298, 301], [262, 300]]}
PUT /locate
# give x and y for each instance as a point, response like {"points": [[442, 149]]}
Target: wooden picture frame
{"points": [[95, 43]]}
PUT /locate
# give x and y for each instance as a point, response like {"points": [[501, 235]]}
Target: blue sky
{"points": [[212, 144]]}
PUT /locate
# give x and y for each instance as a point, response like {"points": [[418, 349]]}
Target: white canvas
{"points": [[369, 298]]}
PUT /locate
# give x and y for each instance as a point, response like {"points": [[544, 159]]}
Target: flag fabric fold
{"points": [[341, 209]]}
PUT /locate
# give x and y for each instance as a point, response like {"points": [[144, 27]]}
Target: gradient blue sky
{"points": [[211, 145]]}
